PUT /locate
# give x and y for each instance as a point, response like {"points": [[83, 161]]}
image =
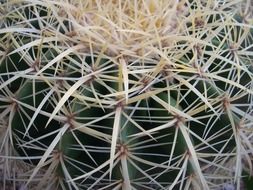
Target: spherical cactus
{"points": [[132, 95]]}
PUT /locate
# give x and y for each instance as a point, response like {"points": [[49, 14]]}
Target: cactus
{"points": [[126, 94]]}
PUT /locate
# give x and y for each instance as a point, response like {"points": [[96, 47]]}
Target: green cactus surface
{"points": [[126, 94]]}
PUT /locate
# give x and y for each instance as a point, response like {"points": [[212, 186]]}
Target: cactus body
{"points": [[126, 94]]}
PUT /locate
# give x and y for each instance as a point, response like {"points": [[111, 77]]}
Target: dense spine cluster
{"points": [[131, 95]]}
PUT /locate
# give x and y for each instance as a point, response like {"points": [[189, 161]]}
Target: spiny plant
{"points": [[133, 94]]}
